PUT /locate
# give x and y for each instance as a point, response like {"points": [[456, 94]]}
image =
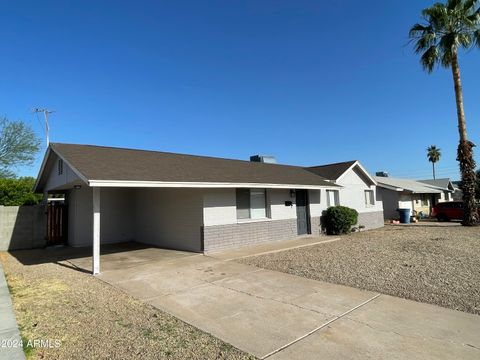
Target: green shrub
{"points": [[339, 220], [16, 192]]}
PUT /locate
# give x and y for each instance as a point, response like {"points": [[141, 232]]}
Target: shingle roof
{"points": [[331, 171], [445, 183], [119, 164], [407, 185]]}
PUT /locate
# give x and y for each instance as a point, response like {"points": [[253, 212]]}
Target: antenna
{"points": [[45, 113]]}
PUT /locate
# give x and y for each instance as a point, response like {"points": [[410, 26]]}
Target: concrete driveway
{"points": [[279, 316]]}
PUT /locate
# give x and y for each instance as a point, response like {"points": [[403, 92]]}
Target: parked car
{"points": [[450, 210]]}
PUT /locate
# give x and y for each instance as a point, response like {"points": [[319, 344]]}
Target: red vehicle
{"points": [[450, 210]]}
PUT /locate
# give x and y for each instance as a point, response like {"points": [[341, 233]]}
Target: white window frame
{"points": [[336, 197], [253, 213], [369, 198]]}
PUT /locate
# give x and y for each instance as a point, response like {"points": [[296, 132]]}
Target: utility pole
{"points": [[45, 113]]}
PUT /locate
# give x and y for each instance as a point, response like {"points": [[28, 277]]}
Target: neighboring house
{"points": [[358, 191], [177, 201], [405, 193], [457, 193], [446, 185]]}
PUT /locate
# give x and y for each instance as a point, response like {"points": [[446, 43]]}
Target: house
{"points": [[177, 201], [446, 185], [358, 191], [399, 193]]}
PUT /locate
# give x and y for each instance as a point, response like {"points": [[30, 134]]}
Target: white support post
{"points": [[96, 231]]}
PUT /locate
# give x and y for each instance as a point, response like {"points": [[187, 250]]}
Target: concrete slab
{"points": [[392, 328]]}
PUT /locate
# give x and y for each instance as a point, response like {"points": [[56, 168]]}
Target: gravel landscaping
{"points": [[428, 263], [93, 320]]}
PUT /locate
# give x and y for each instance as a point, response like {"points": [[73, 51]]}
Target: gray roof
{"points": [[444, 183], [119, 164], [407, 185], [332, 171]]}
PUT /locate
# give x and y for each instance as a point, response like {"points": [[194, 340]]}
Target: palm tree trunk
{"points": [[433, 169], [465, 153]]}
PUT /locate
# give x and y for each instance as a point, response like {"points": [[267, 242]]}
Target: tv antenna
{"points": [[45, 112]]}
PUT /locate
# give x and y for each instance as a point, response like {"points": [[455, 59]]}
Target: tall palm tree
{"points": [[433, 155], [448, 28]]}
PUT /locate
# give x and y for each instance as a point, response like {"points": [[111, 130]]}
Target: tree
{"points": [[433, 155], [18, 145], [477, 187], [448, 28], [16, 192]]}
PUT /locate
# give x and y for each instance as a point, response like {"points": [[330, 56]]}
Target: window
{"points": [[60, 166], [369, 198], [251, 204], [447, 195], [332, 198]]}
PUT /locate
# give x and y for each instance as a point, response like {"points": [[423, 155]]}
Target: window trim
{"points": [[372, 198], [249, 218]]}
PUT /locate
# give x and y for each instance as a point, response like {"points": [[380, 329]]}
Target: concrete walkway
{"points": [[10, 345], [280, 316]]}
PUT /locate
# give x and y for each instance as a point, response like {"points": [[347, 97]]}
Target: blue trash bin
{"points": [[404, 216]]}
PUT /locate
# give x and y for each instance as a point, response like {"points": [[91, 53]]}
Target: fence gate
{"points": [[56, 223]]}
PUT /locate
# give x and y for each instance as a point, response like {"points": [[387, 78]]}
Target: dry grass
{"points": [[428, 263], [96, 321]]}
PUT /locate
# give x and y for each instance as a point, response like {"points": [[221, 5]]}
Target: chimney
{"points": [[381, 174], [268, 159]]}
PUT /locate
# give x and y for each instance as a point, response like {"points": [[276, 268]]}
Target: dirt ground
{"points": [[96, 321], [425, 262]]}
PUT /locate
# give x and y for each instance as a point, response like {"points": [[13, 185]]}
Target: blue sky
{"points": [[310, 82]]}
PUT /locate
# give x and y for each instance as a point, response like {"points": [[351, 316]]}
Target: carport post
{"points": [[96, 231]]}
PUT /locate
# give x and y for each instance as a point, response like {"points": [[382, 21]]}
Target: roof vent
{"points": [[263, 159], [381, 174]]}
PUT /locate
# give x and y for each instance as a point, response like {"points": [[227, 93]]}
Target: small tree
{"points": [[433, 155], [339, 219], [18, 145]]}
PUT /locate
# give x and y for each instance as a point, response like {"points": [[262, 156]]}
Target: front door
{"points": [[303, 223]]}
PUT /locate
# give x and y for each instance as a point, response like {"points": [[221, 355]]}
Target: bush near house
{"points": [[18, 191], [339, 220]]}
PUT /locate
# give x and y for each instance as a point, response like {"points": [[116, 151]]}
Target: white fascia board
{"points": [[165, 184], [364, 171], [390, 187], [42, 168]]}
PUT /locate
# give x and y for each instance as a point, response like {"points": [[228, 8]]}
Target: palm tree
{"points": [[433, 155], [448, 28]]}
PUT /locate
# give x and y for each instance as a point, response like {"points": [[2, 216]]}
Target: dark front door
{"points": [[303, 223]]}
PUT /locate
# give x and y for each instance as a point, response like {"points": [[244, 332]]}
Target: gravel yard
{"points": [[428, 263], [96, 321]]}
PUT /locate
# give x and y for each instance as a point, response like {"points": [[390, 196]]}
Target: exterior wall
{"points": [[170, 218], [390, 200], [240, 234], [22, 227], [352, 195], [371, 219], [223, 230], [117, 219]]}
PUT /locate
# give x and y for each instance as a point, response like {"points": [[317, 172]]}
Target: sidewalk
{"points": [[10, 340]]}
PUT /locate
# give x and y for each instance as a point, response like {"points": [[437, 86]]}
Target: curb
{"points": [[10, 340]]}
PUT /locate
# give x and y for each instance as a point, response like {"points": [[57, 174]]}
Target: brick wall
{"points": [[371, 220], [221, 237], [22, 227]]}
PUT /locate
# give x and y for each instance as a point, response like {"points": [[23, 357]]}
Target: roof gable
{"points": [[334, 172]]}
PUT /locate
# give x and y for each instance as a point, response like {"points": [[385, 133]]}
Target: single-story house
{"points": [[177, 201], [399, 193], [358, 191], [445, 184]]}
